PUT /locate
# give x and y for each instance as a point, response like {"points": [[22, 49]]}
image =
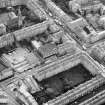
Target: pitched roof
{"points": [[48, 50]]}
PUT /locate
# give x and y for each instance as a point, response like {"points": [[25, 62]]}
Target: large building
{"points": [[52, 52]]}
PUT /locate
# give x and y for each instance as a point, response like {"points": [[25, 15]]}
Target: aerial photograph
{"points": [[52, 52]]}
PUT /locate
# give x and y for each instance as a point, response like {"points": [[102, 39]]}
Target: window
{"points": [[86, 30]]}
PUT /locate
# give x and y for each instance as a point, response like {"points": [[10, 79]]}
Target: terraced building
{"points": [[52, 52]]}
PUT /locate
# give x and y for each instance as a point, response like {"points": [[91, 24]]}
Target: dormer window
{"points": [[86, 30]]}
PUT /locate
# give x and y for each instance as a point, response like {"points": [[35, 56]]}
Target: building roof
{"points": [[48, 50]]}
